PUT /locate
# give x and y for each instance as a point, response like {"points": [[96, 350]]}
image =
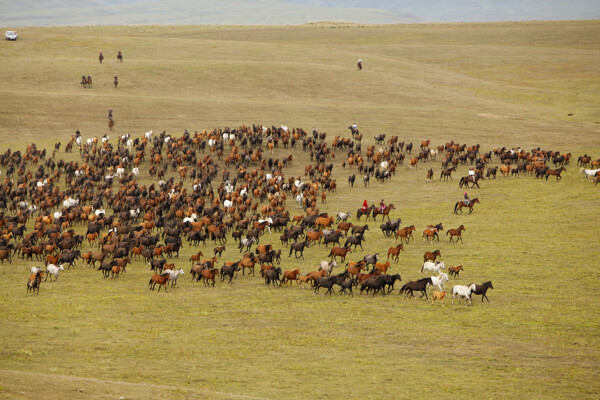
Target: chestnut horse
{"points": [[339, 252], [431, 256], [554, 172], [453, 271], [395, 252], [386, 212], [405, 233], [456, 232], [459, 205]]}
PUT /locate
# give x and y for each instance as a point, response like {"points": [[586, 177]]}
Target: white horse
{"points": [[174, 275], [90, 141], [463, 291], [135, 171], [129, 144], [439, 280], [69, 202], [433, 267], [148, 135], [57, 215], [104, 140], [299, 200], [589, 173], [52, 269], [35, 270], [99, 212], [328, 266], [78, 140], [134, 213], [228, 203], [343, 216], [120, 172], [192, 218]]}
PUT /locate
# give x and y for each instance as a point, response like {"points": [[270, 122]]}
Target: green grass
{"points": [[86, 337]]}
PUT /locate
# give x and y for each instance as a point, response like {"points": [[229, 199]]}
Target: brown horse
{"points": [[354, 268], [555, 172], [430, 233], [339, 252], [209, 275], [119, 56], [290, 275], [459, 205], [425, 143], [395, 252], [386, 212], [447, 173], [111, 124], [161, 280], [100, 58], [405, 233], [116, 82], [430, 174], [383, 267], [453, 271], [431, 255], [456, 232]]}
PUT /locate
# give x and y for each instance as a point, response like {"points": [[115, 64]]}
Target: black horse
{"points": [[418, 286], [355, 241], [351, 180], [298, 247], [481, 289]]}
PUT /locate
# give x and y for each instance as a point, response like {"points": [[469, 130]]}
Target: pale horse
{"points": [[433, 267]]}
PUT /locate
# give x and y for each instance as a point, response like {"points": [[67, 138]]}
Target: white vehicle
{"points": [[11, 35]]}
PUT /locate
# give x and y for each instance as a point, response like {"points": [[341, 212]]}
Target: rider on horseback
{"points": [[365, 205], [381, 205], [467, 199]]}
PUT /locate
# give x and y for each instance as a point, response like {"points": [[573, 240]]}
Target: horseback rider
{"points": [[471, 173], [365, 205], [381, 206], [110, 111], [467, 199], [359, 64]]}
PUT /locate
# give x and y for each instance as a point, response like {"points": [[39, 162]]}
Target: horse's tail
{"points": [[447, 232], [455, 209]]}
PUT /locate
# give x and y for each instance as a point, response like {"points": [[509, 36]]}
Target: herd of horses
{"points": [[51, 209]]}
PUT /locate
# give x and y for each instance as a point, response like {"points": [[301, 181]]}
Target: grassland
{"points": [[510, 84]]}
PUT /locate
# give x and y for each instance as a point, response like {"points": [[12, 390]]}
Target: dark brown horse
{"points": [[360, 212], [555, 172], [100, 58], [482, 289], [459, 205], [456, 232], [116, 82], [119, 56], [111, 124], [418, 286], [447, 173]]}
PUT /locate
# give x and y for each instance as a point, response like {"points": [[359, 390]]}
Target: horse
{"points": [[430, 175], [395, 252], [463, 292], [386, 212], [116, 82], [405, 233], [111, 124], [439, 280], [208, 274], [454, 271], [339, 252], [360, 212], [433, 267], [35, 279], [383, 267], [429, 234], [555, 172], [456, 232], [119, 57], [161, 280], [437, 297], [298, 247], [290, 275], [473, 179], [327, 266], [589, 173], [447, 173], [481, 289], [459, 205], [359, 65], [419, 286], [431, 255]]}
